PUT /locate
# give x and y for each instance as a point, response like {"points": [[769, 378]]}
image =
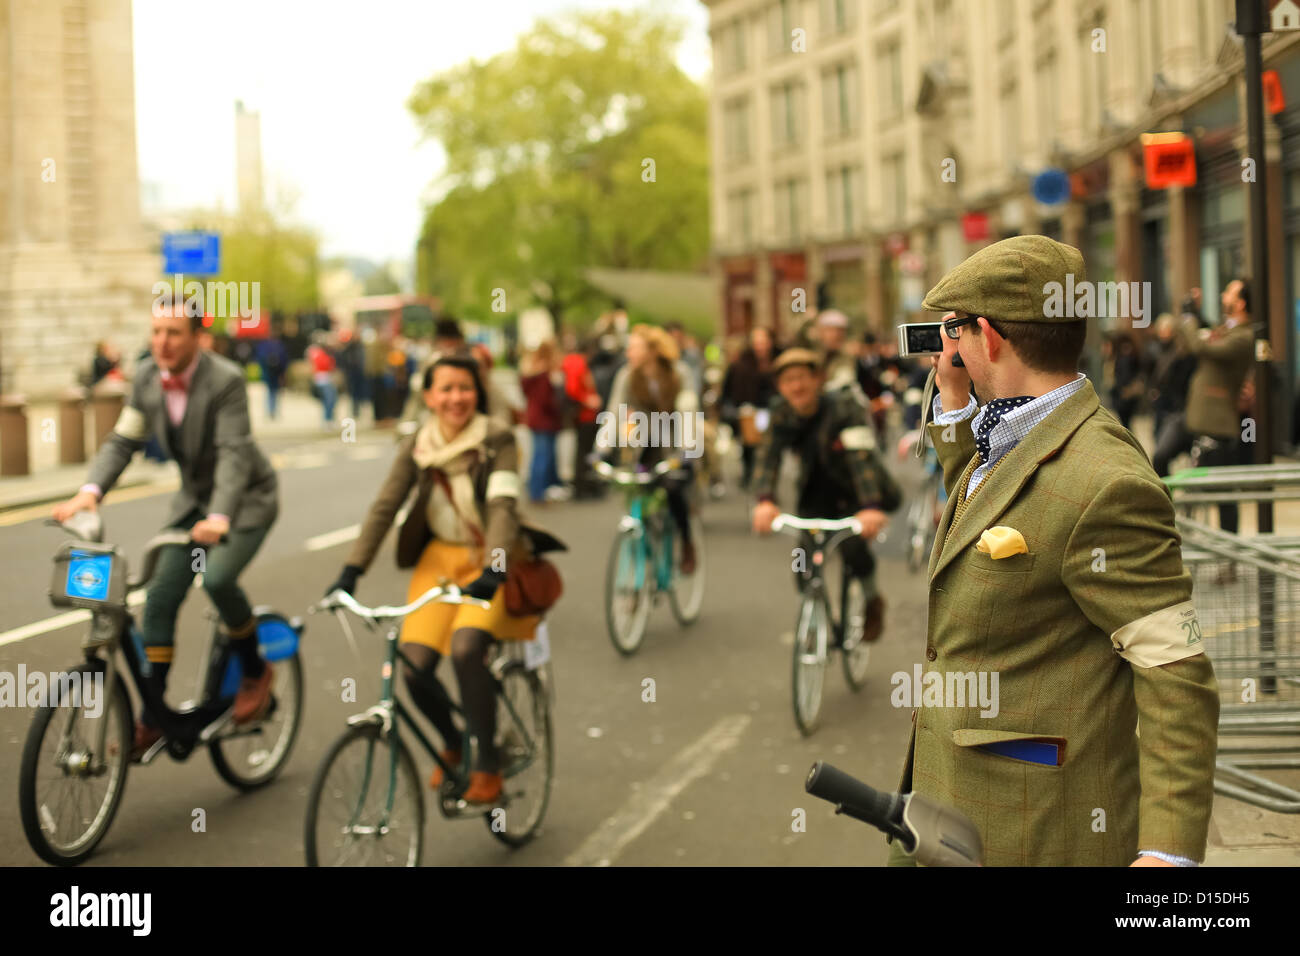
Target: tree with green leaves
{"points": [[585, 145]]}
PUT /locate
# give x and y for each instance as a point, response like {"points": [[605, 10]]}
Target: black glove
{"points": [[486, 584], [347, 580]]}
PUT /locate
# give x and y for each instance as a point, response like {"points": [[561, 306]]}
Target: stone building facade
{"points": [[75, 265]]}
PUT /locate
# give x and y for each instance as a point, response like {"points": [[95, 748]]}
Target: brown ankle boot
{"points": [[483, 787], [449, 757]]}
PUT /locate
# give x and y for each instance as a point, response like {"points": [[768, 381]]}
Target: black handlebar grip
{"points": [[882, 810]]}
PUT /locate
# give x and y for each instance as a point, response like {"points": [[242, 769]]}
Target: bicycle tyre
{"points": [[517, 673], [371, 735], [808, 677], [627, 639], [687, 608], [119, 733], [228, 764], [853, 617]]}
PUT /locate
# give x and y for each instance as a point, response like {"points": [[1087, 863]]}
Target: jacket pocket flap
{"points": [[1030, 748]]}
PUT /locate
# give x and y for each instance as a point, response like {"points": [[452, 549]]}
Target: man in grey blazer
{"points": [[195, 404]]}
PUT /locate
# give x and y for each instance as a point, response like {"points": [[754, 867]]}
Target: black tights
{"points": [[469, 647], [678, 507]]}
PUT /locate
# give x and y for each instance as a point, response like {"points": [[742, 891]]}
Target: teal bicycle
{"points": [[366, 805], [645, 559]]}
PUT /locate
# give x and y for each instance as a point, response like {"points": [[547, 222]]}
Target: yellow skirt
{"points": [[434, 623]]}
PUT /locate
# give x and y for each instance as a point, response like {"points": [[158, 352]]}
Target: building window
{"points": [[786, 111], [843, 198], [735, 122], [837, 15], [781, 24], [891, 81], [840, 100], [740, 216], [730, 48], [790, 219]]}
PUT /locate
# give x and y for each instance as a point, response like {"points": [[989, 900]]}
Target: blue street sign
{"points": [[192, 253], [1051, 187]]}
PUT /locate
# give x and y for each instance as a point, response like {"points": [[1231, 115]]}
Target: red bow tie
{"points": [[173, 384]]}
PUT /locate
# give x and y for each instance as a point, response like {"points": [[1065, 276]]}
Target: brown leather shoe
{"points": [[145, 737], [874, 625], [451, 757], [254, 696], [483, 787], [688, 558]]}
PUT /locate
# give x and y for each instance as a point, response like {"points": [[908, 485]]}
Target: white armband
{"points": [[131, 424], [858, 438], [503, 484], [1160, 638]]}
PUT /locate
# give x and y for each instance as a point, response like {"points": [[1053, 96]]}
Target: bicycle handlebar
{"points": [[884, 811], [443, 595], [625, 476], [783, 521], [935, 833]]}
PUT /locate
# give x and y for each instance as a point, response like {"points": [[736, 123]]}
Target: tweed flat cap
{"points": [[1011, 280], [796, 356]]}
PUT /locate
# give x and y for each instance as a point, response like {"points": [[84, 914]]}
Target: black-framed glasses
{"points": [[950, 326]]}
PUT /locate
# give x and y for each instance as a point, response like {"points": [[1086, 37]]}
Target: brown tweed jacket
{"points": [[1096, 646], [1224, 357]]}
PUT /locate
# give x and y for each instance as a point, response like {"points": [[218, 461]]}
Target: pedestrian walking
{"points": [[1057, 570], [272, 361], [1224, 356], [542, 382], [322, 378], [747, 392], [582, 402], [1172, 368]]}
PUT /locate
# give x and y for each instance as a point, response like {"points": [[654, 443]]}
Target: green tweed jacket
{"points": [[1223, 359], [1096, 644]]}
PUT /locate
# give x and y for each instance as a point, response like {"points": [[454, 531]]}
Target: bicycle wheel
{"points": [[250, 756], [345, 807], [628, 591], [68, 793], [527, 750], [687, 593], [856, 653], [809, 664]]}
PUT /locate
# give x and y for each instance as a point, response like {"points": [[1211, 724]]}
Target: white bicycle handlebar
{"points": [[443, 595]]}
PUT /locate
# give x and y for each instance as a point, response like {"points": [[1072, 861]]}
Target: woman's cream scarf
{"points": [[453, 458]]}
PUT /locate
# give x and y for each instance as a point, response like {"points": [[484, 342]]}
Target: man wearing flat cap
{"points": [[1058, 568], [841, 473]]}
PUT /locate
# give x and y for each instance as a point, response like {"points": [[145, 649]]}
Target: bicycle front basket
{"points": [[88, 575]]}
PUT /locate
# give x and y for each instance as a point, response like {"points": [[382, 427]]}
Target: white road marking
{"points": [[366, 452], [330, 538], [655, 795], [58, 621]]}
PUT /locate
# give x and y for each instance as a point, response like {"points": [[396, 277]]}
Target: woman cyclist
{"points": [[463, 526], [652, 383]]}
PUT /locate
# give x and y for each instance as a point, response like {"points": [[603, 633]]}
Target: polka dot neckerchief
{"points": [[993, 413]]}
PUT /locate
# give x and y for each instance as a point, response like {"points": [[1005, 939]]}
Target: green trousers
{"points": [[220, 564]]}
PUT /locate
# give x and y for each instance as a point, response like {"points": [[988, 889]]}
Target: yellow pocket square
{"points": [[1001, 542]]}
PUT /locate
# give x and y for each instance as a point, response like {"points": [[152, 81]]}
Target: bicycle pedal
{"points": [[149, 755]]}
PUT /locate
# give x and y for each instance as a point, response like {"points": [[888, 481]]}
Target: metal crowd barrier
{"points": [[1246, 589]]}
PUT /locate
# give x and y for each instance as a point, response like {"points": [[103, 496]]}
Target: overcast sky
{"points": [[330, 79]]}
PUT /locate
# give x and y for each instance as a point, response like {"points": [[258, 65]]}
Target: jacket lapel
{"points": [[996, 493]]}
